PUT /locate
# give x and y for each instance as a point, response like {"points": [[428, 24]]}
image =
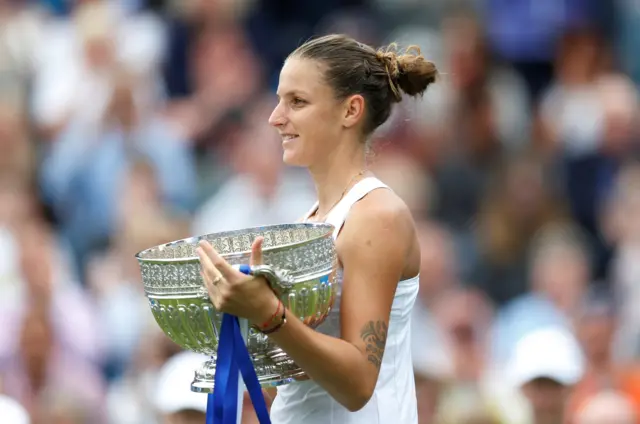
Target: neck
{"points": [[332, 176]]}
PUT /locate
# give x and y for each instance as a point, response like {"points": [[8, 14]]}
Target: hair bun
{"points": [[408, 71], [390, 61]]}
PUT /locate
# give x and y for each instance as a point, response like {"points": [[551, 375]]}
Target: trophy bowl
{"points": [[304, 253]]}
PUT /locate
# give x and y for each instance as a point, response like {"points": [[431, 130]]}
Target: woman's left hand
{"points": [[233, 292]]}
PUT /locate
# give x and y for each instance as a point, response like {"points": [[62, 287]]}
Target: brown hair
{"points": [[379, 76]]}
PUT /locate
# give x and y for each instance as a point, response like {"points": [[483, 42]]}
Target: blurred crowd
{"points": [[129, 123]]}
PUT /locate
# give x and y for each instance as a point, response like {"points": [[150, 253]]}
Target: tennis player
{"points": [[333, 93]]}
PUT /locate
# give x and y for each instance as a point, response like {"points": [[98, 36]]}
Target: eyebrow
{"points": [[293, 93]]}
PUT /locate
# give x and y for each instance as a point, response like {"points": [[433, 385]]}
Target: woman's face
{"points": [[308, 115]]}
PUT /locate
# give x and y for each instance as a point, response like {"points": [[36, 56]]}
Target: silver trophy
{"points": [[300, 263]]}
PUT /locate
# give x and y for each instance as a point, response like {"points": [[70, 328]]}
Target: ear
{"points": [[353, 110]]}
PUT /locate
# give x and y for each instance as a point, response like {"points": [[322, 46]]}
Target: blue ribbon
{"points": [[232, 361]]}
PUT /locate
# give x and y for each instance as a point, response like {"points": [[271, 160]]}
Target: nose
{"points": [[277, 118]]}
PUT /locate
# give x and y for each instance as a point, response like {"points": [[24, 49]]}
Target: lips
{"points": [[288, 137]]}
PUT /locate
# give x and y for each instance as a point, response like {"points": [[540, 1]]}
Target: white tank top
{"points": [[394, 398]]}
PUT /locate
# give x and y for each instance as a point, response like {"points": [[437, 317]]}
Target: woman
{"points": [[333, 93]]}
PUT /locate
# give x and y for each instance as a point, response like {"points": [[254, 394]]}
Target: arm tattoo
{"points": [[374, 334]]}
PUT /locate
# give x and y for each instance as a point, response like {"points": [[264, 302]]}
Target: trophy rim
{"points": [[187, 259]]}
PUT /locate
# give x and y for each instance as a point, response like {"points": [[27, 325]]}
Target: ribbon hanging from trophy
{"points": [[232, 361]]}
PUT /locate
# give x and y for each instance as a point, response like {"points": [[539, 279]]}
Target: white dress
{"points": [[394, 398]]}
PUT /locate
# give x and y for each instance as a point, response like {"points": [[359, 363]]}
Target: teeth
{"points": [[288, 137]]}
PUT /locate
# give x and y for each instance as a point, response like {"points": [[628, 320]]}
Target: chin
{"points": [[293, 158]]}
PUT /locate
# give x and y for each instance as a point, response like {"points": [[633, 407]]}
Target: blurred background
{"points": [[129, 123]]}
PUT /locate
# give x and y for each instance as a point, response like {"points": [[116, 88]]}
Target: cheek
{"points": [[319, 130]]}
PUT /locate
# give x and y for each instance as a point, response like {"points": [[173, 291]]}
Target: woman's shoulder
{"points": [[384, 201], [380, 227], [384, 210]]}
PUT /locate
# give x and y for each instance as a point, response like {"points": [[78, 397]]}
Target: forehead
{"points": [[302, 76]]}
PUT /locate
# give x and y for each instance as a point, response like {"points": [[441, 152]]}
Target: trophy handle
{"points": [[279, 279]]}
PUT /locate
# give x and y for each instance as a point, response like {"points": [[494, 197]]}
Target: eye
{"points": [[297, 101]]}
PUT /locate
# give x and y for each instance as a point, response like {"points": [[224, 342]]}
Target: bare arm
{"points": [[373, 248]]}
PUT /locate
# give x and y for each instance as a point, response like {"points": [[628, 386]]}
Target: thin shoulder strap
{"points": [[311, 212], [339, 213]]}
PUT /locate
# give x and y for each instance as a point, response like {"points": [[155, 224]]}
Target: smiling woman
{"points": [[323, 74], [333, 93]]}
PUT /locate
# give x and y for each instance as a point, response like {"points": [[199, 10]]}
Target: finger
{"points": [[206, 265], [225, 269], [212, 289], [256, 252], [209, 272]]}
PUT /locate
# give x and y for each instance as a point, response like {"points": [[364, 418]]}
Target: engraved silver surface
{"points": [[179, 301]]}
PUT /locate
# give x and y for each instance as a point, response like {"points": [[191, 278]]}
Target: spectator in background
{"points": [[221, 74], [76, 68], [41, 368], [474, 74], [524, 33], [519, 203], [132, 397], [590, 175], [464, 316], [467, 165], [558, 276], [113, 276], [620, 229], [570, 108], [484, 108], [84, 170], [49, 348], [545, 366], [45, 278], [174, 400], [596, 325]]}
